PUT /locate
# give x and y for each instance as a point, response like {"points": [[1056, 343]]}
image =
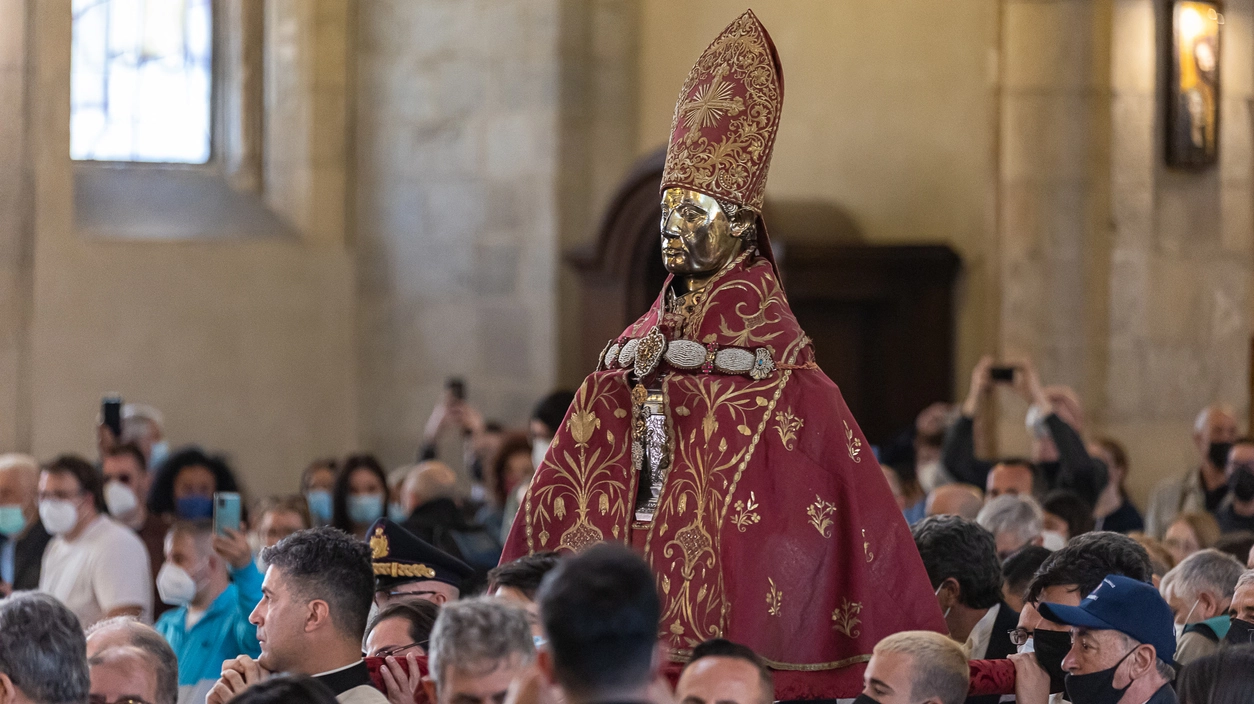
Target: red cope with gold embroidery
{"points": [[775, 527]]}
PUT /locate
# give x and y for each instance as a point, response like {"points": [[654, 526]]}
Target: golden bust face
{"points": [[698, 238]]}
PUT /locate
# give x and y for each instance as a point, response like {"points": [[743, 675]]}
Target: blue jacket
{"points": [[221, 634]]}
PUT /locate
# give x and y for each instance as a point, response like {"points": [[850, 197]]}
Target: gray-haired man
{"points": [[478, 647], [43, 654], [1199, 591]]}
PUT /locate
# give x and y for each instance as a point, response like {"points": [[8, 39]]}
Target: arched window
{"points": [[141, 81]]}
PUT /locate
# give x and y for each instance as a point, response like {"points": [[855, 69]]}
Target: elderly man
{"points": [[43, 657], [478, 648], [916, 667], [126, 672], [1065, 577], [1199, 591], [723, 672], [962, 500], [1204, 487], [1015, 522], [22, 535], [428, 498], [1241, 629], [1122, 644], [961, 562]]}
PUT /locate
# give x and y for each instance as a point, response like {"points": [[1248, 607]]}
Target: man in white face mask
{"points": [[126, 482], [94, 565], [214, 585]]}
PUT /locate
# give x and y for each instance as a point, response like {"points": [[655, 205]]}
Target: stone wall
{"points": [[456, 221]]}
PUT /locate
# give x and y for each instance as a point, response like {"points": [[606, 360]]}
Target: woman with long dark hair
{"points": [[360, 496]]}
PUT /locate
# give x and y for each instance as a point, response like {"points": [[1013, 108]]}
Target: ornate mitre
{"points": [[727, 116]]}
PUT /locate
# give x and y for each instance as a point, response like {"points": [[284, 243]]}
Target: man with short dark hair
{"points": [[126, 483], [1064, 578], [518, 581], [961, 562], [600, 609], [94, 565], [127, 672], [1237, 511], [43, 657], [478, 648], [311, 618], [724, 672], [1122, 645]]}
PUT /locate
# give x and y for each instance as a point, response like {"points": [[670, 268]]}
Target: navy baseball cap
{"points": [[1122, 604]]}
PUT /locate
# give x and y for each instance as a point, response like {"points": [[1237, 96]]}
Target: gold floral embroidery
{"points": [[582, 422], [745, 513], [866, 547], [855, 444], [724, 125], [820, 513], [774, 599], [845, 619], [787, 425]]}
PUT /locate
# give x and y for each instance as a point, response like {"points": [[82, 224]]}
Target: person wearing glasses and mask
{"points": [[407, 568], [401, 632]]}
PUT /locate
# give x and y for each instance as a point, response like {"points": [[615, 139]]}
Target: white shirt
{"points": [[977, 642], [103, 569], [362, 694]]}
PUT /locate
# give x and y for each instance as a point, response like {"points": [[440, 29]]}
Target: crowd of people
{"points": [[370, 585]]}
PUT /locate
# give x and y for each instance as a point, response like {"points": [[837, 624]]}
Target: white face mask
{"points": [[120, 499], [1052, 540], [539, 448], [58, 515], [1029, 646], [1181, 626], [175, 586]]}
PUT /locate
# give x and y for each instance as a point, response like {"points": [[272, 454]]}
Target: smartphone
{"points": [[111, 414], [226, 512], [1002, 375], [456, 388]]}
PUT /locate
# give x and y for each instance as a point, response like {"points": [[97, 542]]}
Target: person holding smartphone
{"points": [[1059, 458], [211, 581]]}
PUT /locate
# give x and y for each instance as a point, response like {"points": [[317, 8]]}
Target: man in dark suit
{"points": [[961, 561], [22, 536]]}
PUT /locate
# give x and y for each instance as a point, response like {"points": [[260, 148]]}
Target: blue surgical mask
{"points": [[397, 512], [12, 520], [158, 453], [194, 507], [319, 501], [365, 508]]}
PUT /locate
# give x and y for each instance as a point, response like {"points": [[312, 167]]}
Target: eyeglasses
{"points": [[398, 649], [127, 699], [1019, 636]]}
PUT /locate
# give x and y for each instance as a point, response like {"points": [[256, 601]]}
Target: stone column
{"points": [[15, 240], [1053, 193]]}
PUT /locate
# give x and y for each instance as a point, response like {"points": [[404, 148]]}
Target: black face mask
{"points": [[1241, 483], [864, 699], [1096, 687], [1050, 648], [1217, 453], [1240, 633]]}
